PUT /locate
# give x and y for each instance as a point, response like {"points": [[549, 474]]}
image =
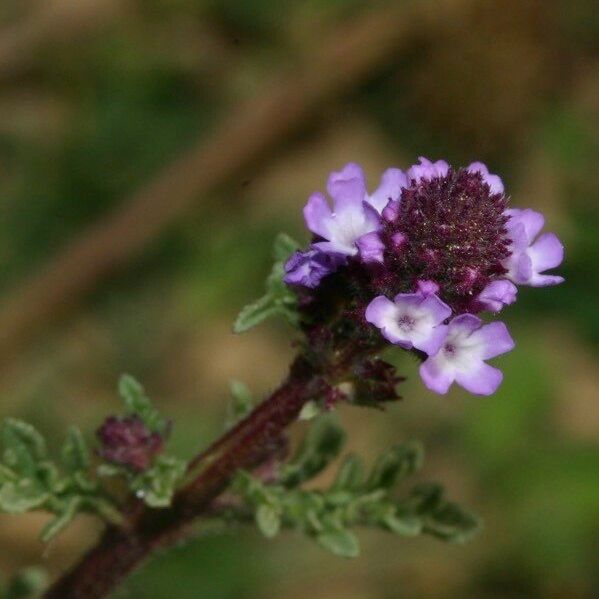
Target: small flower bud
{"points": [[128, 442]]}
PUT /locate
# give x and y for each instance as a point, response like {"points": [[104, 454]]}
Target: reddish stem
{"points": [[121, 550]]}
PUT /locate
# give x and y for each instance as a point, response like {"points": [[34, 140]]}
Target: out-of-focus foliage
{"points": [[95, 107]]}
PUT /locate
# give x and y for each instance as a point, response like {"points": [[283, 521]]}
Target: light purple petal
{"points": [[498, 294], [493, 181], [432, 344], [410, 320], [335, 247], [532, 221], [317, 215], [437, 309], [545, 280], [436, 376], [382, 313], [546, 252], [372, 219], [516, 233], [347, 186], [310, 267], [427, 169], [347, 195], [524, 269], [495, 339], [370, 247], [482, 380], [466, 323], [392, 182]]}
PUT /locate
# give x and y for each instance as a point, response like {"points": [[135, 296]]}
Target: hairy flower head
{"points": [[417, 258]]}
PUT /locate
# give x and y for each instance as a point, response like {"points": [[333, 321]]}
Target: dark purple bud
{"points": [[391, 211], [376, 382], [128, 442]]}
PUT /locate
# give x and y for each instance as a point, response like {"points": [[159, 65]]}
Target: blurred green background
{"points": [[111, 111]]}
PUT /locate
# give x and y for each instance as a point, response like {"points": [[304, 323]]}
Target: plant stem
{"points": [[122, 549]]}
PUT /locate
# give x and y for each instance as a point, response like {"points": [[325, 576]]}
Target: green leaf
{"points": [[138, 403], [69, 510], [75, 454], [279, 299], [340, 542], [350, 474], [156, 485], [106, 470], [105, 509], [23, 447], [397, 463], [310, 411], [28, 583], [400, 521], [21, 496], [6, 474], [48, 476], [322, 444], [268, 519], [452, 523], [255, 313], [241, 404], [426, 497]]}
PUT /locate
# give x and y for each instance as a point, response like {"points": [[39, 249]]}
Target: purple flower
{"points": [[427, 170], [497, 294], [410, 320], [310, 267], [351, 218], [493, 181], [128, 442], [529, 257], [461, 359]]}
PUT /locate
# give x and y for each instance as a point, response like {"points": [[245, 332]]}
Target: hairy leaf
{"points": [[65, 516], [279, 299], [21, 496], [137, 403], [400, 461], [321, 445], [75, 454]]}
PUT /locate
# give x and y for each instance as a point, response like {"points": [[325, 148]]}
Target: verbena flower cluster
{"points": [[421, 256]]}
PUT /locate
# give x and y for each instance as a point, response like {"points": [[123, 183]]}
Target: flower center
{"points": [[453, 233], [406, 322], [450, 350]]}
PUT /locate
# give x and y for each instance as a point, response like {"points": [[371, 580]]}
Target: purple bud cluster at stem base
{"points": [[128, 442], [419, 258]]}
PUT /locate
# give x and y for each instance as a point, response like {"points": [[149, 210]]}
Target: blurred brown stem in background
{"points": [[345, 57], [58, 20]]}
